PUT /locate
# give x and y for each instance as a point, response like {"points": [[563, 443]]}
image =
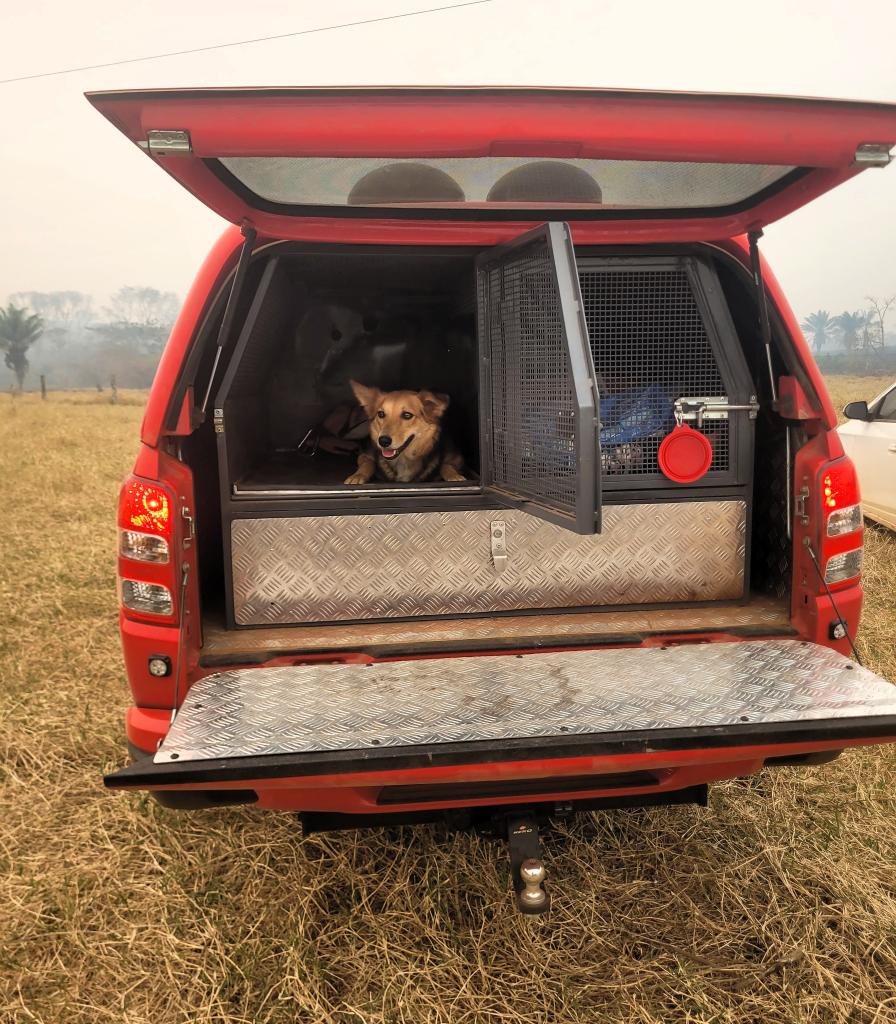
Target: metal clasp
{"points": [[711, 408], [800, 505], [498, 532], [188, 519]]}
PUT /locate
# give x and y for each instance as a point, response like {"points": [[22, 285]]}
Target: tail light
{"points": [[145, 545], [841, 522], [845, 566], [149, 598]]}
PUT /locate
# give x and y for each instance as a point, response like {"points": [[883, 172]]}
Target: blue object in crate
{"points": [[626, 419], [633, 415]]}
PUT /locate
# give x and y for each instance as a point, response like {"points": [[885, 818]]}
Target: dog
{"points": [[407, 443]]}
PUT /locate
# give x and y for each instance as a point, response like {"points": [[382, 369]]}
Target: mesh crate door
{"points": [[540, 435]]}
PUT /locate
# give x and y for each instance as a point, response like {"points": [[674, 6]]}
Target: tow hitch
{"points": [[526, 866], [517, 826]]}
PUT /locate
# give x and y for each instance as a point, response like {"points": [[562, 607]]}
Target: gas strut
{"points": [[236, 287], [764, 325]]}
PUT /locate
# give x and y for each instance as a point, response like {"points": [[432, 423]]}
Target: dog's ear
{"points": [[368, 398], [434, 404]]}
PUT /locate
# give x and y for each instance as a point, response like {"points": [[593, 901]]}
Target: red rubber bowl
{"points": [[685, 455]]}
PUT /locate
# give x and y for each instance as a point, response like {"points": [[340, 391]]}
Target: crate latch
{"points": [[701, 409], [498, 530]]}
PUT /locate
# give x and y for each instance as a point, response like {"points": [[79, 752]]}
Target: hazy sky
{"points": [[83, 209]]}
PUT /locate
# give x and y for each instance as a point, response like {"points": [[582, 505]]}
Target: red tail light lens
{"points": [[145, 521], [145, 507], [841, 522], [145, 544], [839, 486]]}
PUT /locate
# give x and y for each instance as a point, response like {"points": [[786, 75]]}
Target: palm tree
{"points": [[819, 325], [850, 326], [19, 330]]}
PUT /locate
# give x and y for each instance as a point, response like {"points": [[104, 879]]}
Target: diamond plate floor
{"points": [[297, 709]]}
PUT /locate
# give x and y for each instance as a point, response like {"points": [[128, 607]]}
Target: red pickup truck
{"points": [[648, 578]]}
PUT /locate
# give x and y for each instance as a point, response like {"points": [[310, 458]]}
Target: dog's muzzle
{"points": [[390, 453]]}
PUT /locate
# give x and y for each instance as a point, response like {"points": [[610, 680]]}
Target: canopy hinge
{"points": [[219, 421], [873, 154], [175, 142]]}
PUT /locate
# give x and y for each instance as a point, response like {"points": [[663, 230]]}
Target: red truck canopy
{"points": [[649, 165]]}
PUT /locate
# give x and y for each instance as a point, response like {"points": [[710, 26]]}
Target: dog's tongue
{"points": [[389, 453]]}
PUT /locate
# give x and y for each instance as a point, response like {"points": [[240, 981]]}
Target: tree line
{"points": [[861, 329], [62, 335]]}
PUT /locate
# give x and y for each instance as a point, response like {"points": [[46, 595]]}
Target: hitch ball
{"points": [[532, 876]]}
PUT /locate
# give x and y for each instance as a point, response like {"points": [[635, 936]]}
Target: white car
{"points": [[870, 441]]}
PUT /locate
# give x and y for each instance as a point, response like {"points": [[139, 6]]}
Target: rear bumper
{"points": [[456, 779]]}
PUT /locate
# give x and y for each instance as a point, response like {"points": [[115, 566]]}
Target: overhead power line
{"points": [[242, 42]]}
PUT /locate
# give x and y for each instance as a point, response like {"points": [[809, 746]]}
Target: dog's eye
{"points": [[407, 415], [381, 414]]}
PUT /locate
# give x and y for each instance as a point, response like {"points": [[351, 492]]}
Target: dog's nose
{"points": [[385, 441]]}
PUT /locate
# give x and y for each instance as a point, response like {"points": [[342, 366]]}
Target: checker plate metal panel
{"points": [[335, 568], [296, 709]]}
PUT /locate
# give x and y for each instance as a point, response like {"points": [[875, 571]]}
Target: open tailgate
{"points": [[288, 722], [651, 165]]}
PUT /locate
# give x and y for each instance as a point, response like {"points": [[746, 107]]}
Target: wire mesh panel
{"points": [[650, 345], [533, 382]]}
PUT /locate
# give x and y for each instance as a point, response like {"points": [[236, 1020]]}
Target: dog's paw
{"points": [[357, 478], [451, 475]]}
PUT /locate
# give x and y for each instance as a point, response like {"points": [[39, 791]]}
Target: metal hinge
{"points": [[219, 421], [873, 154], [498, 530], [167, 143]]}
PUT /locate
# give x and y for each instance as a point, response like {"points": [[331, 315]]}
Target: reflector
{"points": [[159, 665]]}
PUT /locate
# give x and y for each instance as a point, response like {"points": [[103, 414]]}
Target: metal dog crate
{"points": [[660, 330], [647, 330]]}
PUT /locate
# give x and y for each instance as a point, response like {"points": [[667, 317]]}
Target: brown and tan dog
{"points": [[407, 441]]}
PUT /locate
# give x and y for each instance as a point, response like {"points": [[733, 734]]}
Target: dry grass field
{"points": [[778, 903]]}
